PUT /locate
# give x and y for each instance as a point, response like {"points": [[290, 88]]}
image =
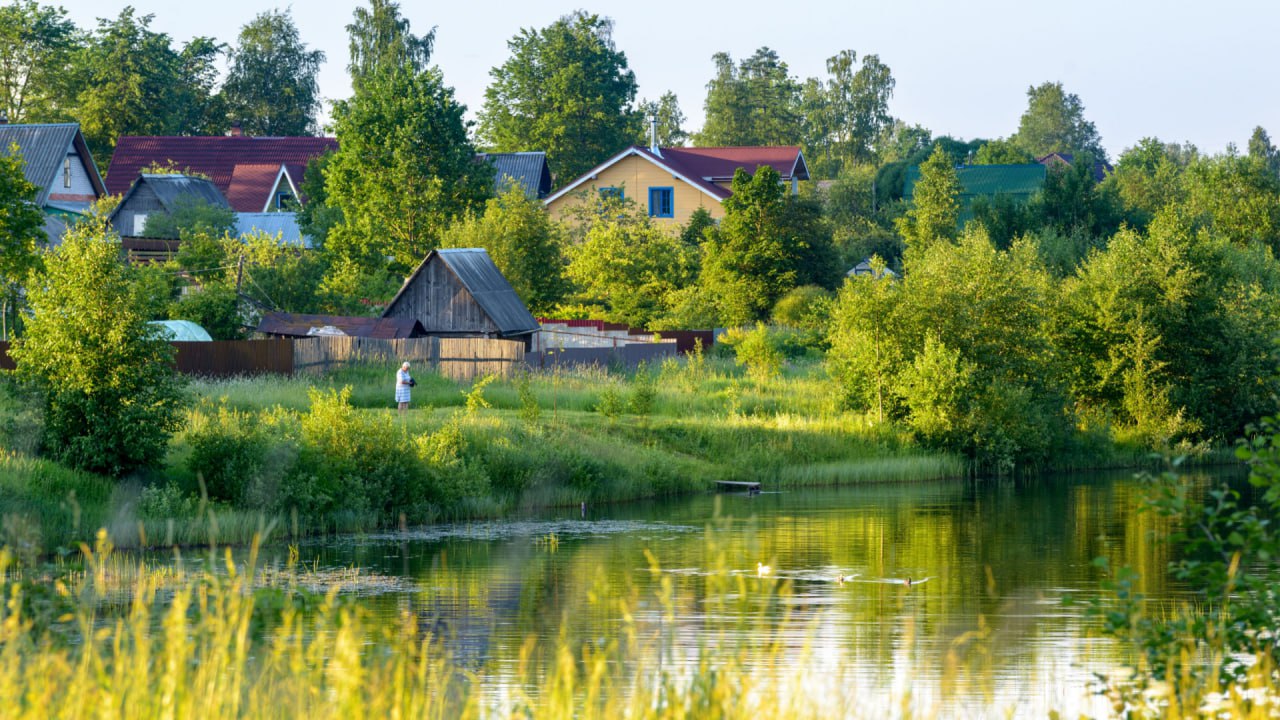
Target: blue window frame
{"points": [[662, 202], [611, 192]]}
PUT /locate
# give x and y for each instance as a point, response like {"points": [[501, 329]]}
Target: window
{"points": [[662, 202], [284, 200], [66, 172], [611, 193]]}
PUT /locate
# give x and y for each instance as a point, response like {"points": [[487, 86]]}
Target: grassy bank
{"points": [[308, 455]]}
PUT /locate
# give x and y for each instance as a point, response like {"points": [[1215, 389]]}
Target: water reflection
{"points": [[994, 615]]}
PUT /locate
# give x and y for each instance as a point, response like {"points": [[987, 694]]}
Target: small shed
{"points": [[293, 325], [153, 194], [461, 293]]}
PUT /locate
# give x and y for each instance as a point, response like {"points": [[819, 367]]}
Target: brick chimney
{"points": [[236, 129]]}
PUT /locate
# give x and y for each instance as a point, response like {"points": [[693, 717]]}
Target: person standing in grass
{"points": [[404, 382]]}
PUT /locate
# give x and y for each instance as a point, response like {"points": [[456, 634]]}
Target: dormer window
{"points": [[284, 200]]}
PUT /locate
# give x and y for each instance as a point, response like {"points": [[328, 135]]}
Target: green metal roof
{"points": [[989, 180]]}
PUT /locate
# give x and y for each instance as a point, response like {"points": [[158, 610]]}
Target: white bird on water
{"points": [[763, 570], [842, 579]]}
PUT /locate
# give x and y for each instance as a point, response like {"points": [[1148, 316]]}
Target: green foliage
{"points": [[279, 276], [756, 102], [153, 288], [189, 218], [523, 241], [228, 450], [610, 402], [567, 90], [666, 110], [766, 245], [936, 389], [37, 42], [1186, 317], [807, 307], [935, 209], [866, 349], [476, 400], [1227, 550], [1148, 177], [380, 39], [129, 80], [847, 114], [1054, 122], [630, 264], [694, 232], [644, 391], [21, 221], [109, 393], [317, 217], [530, 408], [271, 86], [395, 199], [1072, 202], [1238, 197], [758, 351], [1002, 152], [214, 307]]}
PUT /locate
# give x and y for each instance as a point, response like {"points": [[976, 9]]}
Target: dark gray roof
{"points": [[477, 273], [527, 169], [44, 148], [169, 188]]}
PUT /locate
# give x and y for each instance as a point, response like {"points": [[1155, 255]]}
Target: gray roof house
{"points": [[528, 170], [160, 194], [461, 293], [58, 162]]}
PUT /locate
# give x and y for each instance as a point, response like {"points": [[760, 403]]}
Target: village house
{"points": [[57, 161], [673, 183], [160, 194]]}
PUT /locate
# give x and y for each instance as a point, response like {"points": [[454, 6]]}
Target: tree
{"points": [[1002, 152], [36, 43], [405, 169], [631, 265], [1260, 147], [766, 245], [21, 230], [524, 242], [1148, 176], [852, 109], [666, 110], [935, 210], [380, 39], [1054, 122], [317, 217], [271, 86], [1238, 196], [110, 395], [190, 216], [566, 89], [130, 81], [755, 103]]}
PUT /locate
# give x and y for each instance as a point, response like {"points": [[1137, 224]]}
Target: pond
{"points": [[994, 619]]}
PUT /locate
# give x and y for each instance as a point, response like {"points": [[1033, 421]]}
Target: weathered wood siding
{"points": [[143, 202], [439, 301], [635, 175], [462, 359]]}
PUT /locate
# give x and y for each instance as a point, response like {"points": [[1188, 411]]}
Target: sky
{"points": [[1183, 71]]}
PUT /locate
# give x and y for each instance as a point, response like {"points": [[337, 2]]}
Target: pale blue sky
{"points": [[1204, 72]]}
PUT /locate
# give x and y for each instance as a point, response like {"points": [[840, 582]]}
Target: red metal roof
{"points": [[719, 163], [219, 158]]}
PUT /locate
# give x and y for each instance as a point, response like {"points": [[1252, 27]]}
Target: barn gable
{"points": [[461, 292]]}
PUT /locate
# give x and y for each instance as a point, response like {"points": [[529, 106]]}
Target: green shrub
{"points": [[758, 351], [228, 449], [644, 391], [806, 307], [610, 403]]}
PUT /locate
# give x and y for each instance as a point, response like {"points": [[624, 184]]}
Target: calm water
{"points": [[993, 622]]}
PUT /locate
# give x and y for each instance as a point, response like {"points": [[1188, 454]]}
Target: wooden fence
{"points": [[462, 359]]}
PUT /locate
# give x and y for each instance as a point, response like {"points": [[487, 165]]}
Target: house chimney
{"points": [[236, 129], [653, 135], [4, 118]]}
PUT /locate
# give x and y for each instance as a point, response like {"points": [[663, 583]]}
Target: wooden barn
{"points": [[461, 293]]}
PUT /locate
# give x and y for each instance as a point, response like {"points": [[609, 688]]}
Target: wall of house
{"points": [[81, 190], [437, 299], [635, 175], [130, 217]]}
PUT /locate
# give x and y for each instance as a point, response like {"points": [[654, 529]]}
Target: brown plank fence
{"points": [[462, 359]]}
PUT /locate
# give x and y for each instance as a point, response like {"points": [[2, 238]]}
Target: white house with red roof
{"points": [[672, 183]]}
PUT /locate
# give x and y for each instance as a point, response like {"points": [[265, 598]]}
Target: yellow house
{"points": [[671, 183]]}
